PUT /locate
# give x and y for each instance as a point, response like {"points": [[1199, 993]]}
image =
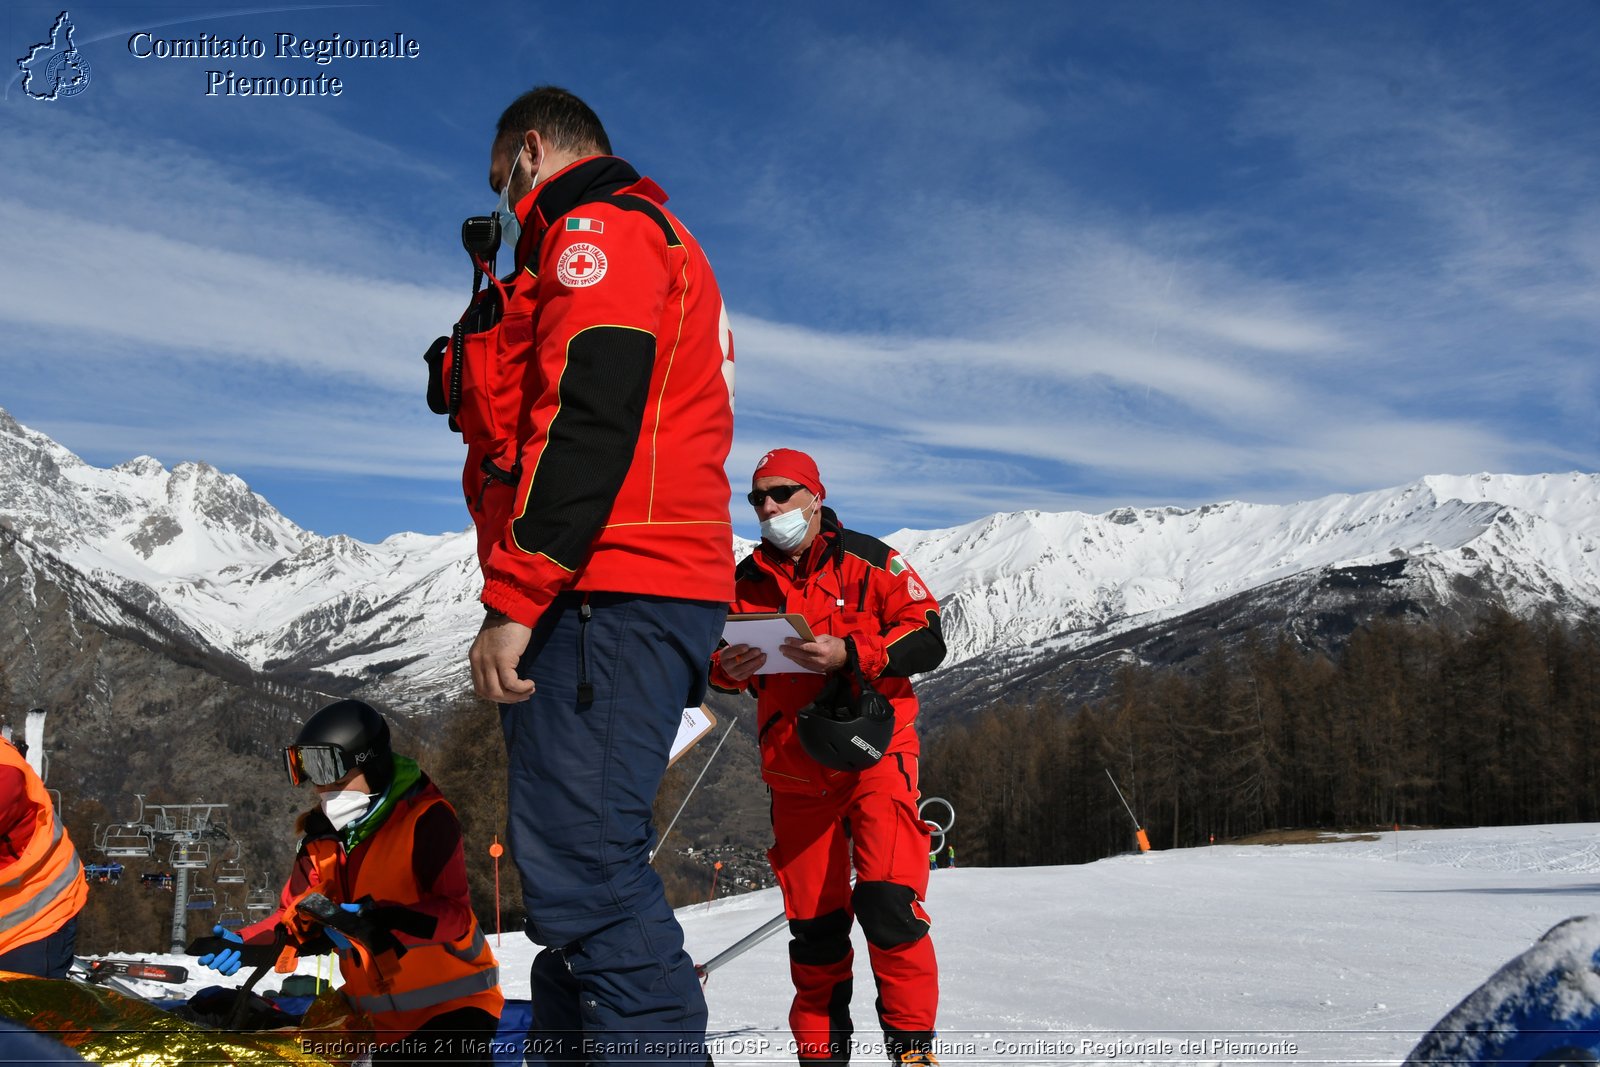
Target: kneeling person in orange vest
{"points": [[41, 878], [381, 879]]}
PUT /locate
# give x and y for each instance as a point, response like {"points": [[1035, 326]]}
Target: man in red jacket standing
{"points": [[607, 587], [870, 613]]}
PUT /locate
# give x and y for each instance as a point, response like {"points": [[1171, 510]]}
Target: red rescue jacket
{"points": [[848, 585], [618, 332]]}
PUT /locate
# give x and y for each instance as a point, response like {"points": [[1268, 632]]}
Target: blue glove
{"points": [[224, 961], [341, 942]]}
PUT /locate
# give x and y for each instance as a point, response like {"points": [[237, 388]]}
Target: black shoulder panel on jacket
{"points": [[866, 546], [648, 207]]}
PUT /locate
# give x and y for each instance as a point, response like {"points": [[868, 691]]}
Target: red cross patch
{"points": [[581, 265]]}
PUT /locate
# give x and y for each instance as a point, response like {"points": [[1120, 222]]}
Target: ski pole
{"points": [[662, 839], [741, 946], [1144, 840]]}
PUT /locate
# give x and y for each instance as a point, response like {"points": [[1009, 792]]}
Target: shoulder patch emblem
{"points": [[577, 225], [897, 566], [914, 587], [581, 264]]}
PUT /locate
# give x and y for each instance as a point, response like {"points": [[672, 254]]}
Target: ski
{"points": [[99, 970]]}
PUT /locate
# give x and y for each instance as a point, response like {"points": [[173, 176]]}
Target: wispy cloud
{"points": [[1259, 254]]}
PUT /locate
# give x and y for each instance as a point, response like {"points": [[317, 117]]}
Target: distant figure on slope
{"points": [[844, 785], [42, 887], [384, 847]]}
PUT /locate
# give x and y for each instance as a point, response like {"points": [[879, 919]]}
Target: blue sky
{"points": [[978, 258]]}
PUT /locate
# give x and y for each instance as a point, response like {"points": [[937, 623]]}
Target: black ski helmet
{"points": [[361, 735], [843, 731]]}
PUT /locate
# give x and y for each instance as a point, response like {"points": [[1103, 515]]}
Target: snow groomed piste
{"points": [[1351, 950]]}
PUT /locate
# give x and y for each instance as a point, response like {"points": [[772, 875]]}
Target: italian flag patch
{"points": [[575, 225], [897, 566]]}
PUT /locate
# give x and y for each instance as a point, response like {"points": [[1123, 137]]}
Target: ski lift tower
{"points": [[190, 828]]}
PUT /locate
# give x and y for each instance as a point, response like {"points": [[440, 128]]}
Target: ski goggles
{"points": [[317, 764], [780, 493]]}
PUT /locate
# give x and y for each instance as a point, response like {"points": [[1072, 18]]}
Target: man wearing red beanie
{"points": [[875, 624]]}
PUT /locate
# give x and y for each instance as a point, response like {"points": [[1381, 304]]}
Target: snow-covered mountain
{"points": [[191, 554], [1013, 581]]}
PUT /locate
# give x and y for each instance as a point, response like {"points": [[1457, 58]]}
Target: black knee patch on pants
{"points": [[885, 913], [820, 941]]}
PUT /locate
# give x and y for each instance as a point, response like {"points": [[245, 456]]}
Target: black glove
{"points": [[356, 922]]}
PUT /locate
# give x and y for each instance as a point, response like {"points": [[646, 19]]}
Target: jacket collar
{"points": [[576, 183]]}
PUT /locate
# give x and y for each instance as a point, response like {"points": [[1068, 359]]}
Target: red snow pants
{"points": [[873, 824]]}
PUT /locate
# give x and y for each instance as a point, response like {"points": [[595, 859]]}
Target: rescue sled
{"points": [[1541, 1008]]}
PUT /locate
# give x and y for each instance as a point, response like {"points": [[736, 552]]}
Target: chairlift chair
{"points": [[202, 899], [232, 918], [230, 871], [193, 856], [260, 900], [104, 873], [126, 841]]}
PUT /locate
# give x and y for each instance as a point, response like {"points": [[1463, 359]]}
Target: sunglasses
{"points": [[317, 764], [780, 493]]}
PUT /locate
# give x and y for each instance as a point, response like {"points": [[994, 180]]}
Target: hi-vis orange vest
{"points": [[402, 993], [44, 887]]}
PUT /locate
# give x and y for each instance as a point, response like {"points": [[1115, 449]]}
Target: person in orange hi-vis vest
{"points": [[41, 877], [381, 879]]}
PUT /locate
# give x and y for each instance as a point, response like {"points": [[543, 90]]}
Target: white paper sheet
{"points": [[767, 632]]}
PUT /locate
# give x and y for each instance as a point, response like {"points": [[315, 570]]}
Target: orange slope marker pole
{"points": [[1138, 831], [716, 869], [497, 850]]}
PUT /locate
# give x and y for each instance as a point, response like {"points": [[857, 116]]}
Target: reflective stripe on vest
{"points": [[47, 894], [55, 839], [428, 996]]}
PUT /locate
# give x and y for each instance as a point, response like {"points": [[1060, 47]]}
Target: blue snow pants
{"points": [[586, 752], [48, 957]]}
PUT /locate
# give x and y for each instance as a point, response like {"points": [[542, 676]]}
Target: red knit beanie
{"points": [[798, 467]]}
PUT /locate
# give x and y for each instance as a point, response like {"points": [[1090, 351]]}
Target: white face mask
{"points": [[344, 806], [786, 531], [510, 226]]}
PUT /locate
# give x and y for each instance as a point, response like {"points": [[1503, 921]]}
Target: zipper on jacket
{"points": [[585, 688], [769, 724]]}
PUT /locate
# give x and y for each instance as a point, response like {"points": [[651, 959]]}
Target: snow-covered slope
{"points": [[1344, 952], [191, 552]]}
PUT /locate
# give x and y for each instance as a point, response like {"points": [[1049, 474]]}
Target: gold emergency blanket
{"points": [[106, 1027]]}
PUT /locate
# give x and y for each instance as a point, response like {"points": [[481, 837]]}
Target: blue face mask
{"points": [[510, 227], [786, 531]]}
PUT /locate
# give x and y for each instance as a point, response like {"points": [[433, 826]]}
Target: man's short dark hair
{"points": [[566, 123]]}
